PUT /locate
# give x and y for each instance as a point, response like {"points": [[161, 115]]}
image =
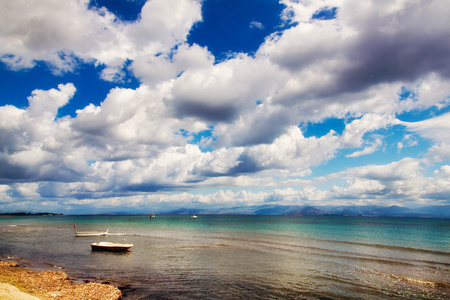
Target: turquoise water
{"points": [[243, 257]]}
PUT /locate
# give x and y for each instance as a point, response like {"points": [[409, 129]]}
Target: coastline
{"points": [[18, 282]]}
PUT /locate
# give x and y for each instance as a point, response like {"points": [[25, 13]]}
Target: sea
{"points": [[242, 256]]}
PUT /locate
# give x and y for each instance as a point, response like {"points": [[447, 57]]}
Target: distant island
{"points": [[24, 214], [436, 211], [440, 211]]}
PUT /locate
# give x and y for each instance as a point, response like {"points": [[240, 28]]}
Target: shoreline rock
{"points": [[53, 284]]}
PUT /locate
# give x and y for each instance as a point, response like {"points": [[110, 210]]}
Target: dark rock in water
{"points": [[125, 287]]}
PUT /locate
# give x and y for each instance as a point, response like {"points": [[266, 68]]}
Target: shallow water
{"points": [[243, 257]]}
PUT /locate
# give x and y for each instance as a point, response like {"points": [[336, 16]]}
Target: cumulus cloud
{"points": [[357, 188], [220, 92], [354, 131], [293, 152], [31, 140], [366, 45], [61, 32], [49, 31], [355, 65], [43, 102], [404, 169], [396, 183]]}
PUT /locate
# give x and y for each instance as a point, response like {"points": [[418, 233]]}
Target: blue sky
{"points": [[148, 106]]}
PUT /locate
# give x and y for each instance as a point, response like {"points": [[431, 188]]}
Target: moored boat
{"points": [[194, 217], [108, 246], [89, 233]]}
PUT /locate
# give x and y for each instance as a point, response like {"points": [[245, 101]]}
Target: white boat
{"points": [[194, 217], [89, 233], [108, 246]]}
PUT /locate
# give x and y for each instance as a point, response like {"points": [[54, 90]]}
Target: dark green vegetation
{"points": [[24, 214]]}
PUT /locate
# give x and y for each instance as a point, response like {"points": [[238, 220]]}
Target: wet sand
{"points": [[17, 282]]}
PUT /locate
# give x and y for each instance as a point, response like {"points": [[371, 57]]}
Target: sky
{"points": [[141, 106]]}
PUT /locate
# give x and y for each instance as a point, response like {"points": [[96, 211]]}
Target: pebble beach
{"points": [[18, 282]]}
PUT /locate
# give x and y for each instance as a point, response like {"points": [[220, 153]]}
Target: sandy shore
{"points": [[17, 282]]}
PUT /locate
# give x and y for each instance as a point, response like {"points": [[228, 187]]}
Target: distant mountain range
{"points": [[442, 211]]}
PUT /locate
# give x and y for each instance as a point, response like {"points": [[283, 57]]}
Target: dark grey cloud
{"points": [[49, 190], [383, 43], [247, 164], [60, 173], [11, 140], [208, 112], [44, 171], [443, 196], [402, 57], [149, 187], [261, 129], [373, 60], [13, 173]]}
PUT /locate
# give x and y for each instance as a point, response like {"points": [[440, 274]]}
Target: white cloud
{"points": [[58, 31], [359, 188], [407, 168], [3, 189], [329, 60], [410, 140], [256, 24], [443, 172], [437, 128], [293, 152], [439, 152], [302, 11], [400, 183], [42, 102], [218, 93], [137, 117], [34, 144], [368, 149], [156, 69], [164, 24], [43, 31], [137, 141], [354, 132], [431, 90]]}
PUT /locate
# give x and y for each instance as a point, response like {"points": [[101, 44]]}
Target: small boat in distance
{"points": [[89, 233], [194, 217], [152, 215], [108, 246]]}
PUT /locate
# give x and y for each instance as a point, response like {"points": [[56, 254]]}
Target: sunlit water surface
{"points": [[243, 257]]}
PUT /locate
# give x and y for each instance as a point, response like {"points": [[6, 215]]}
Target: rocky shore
{"points": [[17, 282]]}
